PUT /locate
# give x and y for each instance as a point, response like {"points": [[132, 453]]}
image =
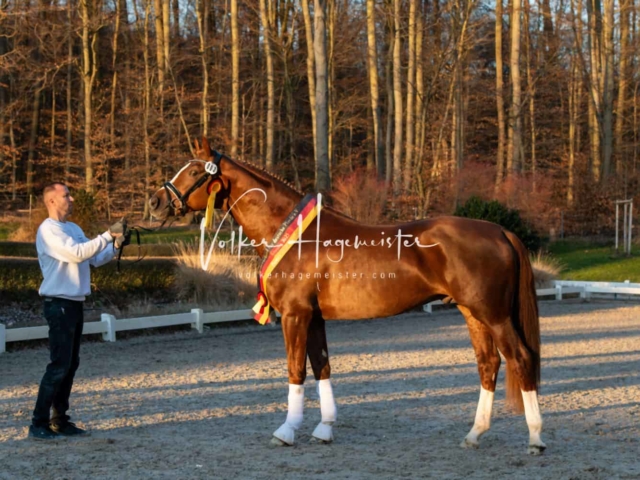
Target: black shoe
{"points": [[42, 433], [69, 429]]}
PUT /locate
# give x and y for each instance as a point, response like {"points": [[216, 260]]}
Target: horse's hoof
{"points": [[466, 443], [285, 435], [276, 442], [536, 449], [323, 433]]}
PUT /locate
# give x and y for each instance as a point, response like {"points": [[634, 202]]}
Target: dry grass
{"points": [[229, 282], [27, 230], [545, 269]]}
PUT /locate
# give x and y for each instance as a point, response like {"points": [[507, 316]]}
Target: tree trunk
{"points": [[270, 127], [596, 86], [608, 91], [397, 99], [175, 6], [14, 161], [114, 81], [166, 32], [235, 79], [67, 163], [157, 6], [573, 121], [323, 176], [411, 93], [372, 58], [311, 75], [531, 90], [147, 108], [201, 14], [420, 103], [623, 76], [514, 149], [499, 94], [390, 105], [332, 9], [88, 74]]}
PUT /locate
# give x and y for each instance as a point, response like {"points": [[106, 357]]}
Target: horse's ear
{"points": [[205, 148], [196, 145]]}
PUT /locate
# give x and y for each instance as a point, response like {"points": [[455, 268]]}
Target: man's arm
{"points": [[103, 257], [55, 242]]}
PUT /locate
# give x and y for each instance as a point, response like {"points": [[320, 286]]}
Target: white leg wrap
{"points": [[534, 422], [286, 432], [327, 402], [324, 430], [482, 421]]}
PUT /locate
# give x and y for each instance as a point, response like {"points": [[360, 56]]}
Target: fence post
{"points": [[3, 338], [558, 292], [198, 325], [585, 294], [110, 334]]}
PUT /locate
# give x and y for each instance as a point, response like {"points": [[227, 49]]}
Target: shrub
{"points": [[494, 211], [361, 196], [84, 212]]}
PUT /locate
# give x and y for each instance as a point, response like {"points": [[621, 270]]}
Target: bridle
{"points": [[178, 201]]}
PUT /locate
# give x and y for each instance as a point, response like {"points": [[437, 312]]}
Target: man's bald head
{"points": [[51, 189], [58, 201]]}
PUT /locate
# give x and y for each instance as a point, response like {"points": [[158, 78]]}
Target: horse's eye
{"points": [[193, 173]]}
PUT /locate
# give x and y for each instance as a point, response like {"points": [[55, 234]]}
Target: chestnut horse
{"points": [[334, 272]]}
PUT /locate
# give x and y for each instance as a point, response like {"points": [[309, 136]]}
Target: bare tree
{"points": [[202, 13], [608, 90], [623, 76], [499, 94], [89, 70], [266, 42], [514, 148], [411, 93], [397, 99], [372, 57], [160, 49], [323, 176], [311, 74], [235, 78]]}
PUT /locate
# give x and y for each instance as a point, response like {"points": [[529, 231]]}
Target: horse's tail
{"points": [[525, 320]]}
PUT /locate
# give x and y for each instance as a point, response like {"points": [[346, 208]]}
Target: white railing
{"points": [[566, 287], [109, 325]]}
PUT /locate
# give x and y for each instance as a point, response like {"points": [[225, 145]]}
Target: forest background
{"points": [[396, 108]]}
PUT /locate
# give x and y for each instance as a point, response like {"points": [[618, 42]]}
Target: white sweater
{"points": [[65, 253]]}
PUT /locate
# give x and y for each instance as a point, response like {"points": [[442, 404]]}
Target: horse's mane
{"points": [[261, 171]]}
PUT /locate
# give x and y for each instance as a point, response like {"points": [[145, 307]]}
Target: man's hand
{"points": [[121, 240], [119, 228]]}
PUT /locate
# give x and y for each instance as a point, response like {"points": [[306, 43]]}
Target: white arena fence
{"points": [[197, 318]]}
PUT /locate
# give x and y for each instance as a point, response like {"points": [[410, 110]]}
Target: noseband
{"points": [[177, 200]]}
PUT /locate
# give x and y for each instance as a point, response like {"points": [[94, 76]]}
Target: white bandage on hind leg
{"points": [[327, 402], [296, 406]]}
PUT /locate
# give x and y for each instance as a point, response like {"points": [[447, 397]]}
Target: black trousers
{"points": [[65, 319]]}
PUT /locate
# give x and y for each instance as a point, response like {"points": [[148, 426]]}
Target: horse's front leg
{"points": [[295, 330], [319, 356]]}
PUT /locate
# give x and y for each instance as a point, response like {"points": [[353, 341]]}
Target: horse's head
{"points": [[189, 190]]}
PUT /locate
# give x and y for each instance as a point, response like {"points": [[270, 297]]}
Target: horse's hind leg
{"points": [[488, 364], [319, 357], [294, 329], [519, 375]]}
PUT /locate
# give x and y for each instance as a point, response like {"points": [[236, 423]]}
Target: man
{"points": [[64, 254]]}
